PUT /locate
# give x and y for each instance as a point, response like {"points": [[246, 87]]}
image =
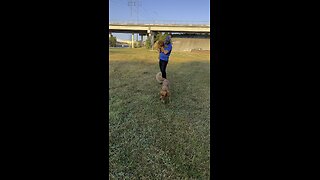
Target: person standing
{"points": [[164, 56]]}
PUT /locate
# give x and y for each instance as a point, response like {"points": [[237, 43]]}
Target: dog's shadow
{"points": [[165, 101]]}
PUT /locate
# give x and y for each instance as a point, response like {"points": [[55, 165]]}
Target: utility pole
{"points": [[131, 3], [138, 4], [135, 3]]}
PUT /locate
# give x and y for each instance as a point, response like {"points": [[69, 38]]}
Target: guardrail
{"points": [[161, 22]]}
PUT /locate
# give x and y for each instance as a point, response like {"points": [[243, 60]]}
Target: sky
{"points": [[196, 11]]}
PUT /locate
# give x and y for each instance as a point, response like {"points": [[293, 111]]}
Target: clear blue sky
{"points": [[159, 10]]}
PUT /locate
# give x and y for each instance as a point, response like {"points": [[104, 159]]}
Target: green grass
{"points": [[152, 140]]}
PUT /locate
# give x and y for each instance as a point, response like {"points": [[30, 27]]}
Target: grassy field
{"points": [[152, 140]]}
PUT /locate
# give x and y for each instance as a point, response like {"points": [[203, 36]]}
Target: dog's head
{"points": [[164, 94], [160, 43]]}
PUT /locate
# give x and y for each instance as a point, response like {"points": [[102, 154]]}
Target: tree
{"points": [[113, 41], [148, 43], [158, 37]]}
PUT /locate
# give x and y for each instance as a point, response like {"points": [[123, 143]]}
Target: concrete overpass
{"points": [[151, 29]]}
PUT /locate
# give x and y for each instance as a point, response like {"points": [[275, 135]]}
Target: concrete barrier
{"points": [[188, 44]]}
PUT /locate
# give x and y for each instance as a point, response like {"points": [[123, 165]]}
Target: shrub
{"points": [[137, 44]]}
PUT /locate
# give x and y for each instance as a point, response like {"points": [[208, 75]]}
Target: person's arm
{"points": [[161, 49], [164, 51]]}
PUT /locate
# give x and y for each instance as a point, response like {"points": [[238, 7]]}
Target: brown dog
{"points": [[164, 92], [159, 45]]}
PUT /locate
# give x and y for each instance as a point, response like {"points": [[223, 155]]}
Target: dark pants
{"points": [[163, 66]]}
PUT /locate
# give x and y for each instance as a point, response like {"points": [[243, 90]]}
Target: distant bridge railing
{"points": [[161, 22]]}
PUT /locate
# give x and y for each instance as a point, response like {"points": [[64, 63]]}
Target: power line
{"points": [[148, 14], [136, 7], [115, 2]]}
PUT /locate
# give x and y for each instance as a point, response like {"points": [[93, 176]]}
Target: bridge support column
{"points": [[141, 40], [152, 39], [151, 36], [132, 40]]}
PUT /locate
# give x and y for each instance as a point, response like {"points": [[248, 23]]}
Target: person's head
{"points": [[167, 40]]}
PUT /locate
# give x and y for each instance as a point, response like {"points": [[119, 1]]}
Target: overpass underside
{"points": [[151, 30]]}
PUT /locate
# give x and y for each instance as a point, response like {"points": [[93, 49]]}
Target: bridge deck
{"points": [[196, 28]]}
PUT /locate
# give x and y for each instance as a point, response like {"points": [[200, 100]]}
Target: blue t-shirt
{"points": [[165, 57]]}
